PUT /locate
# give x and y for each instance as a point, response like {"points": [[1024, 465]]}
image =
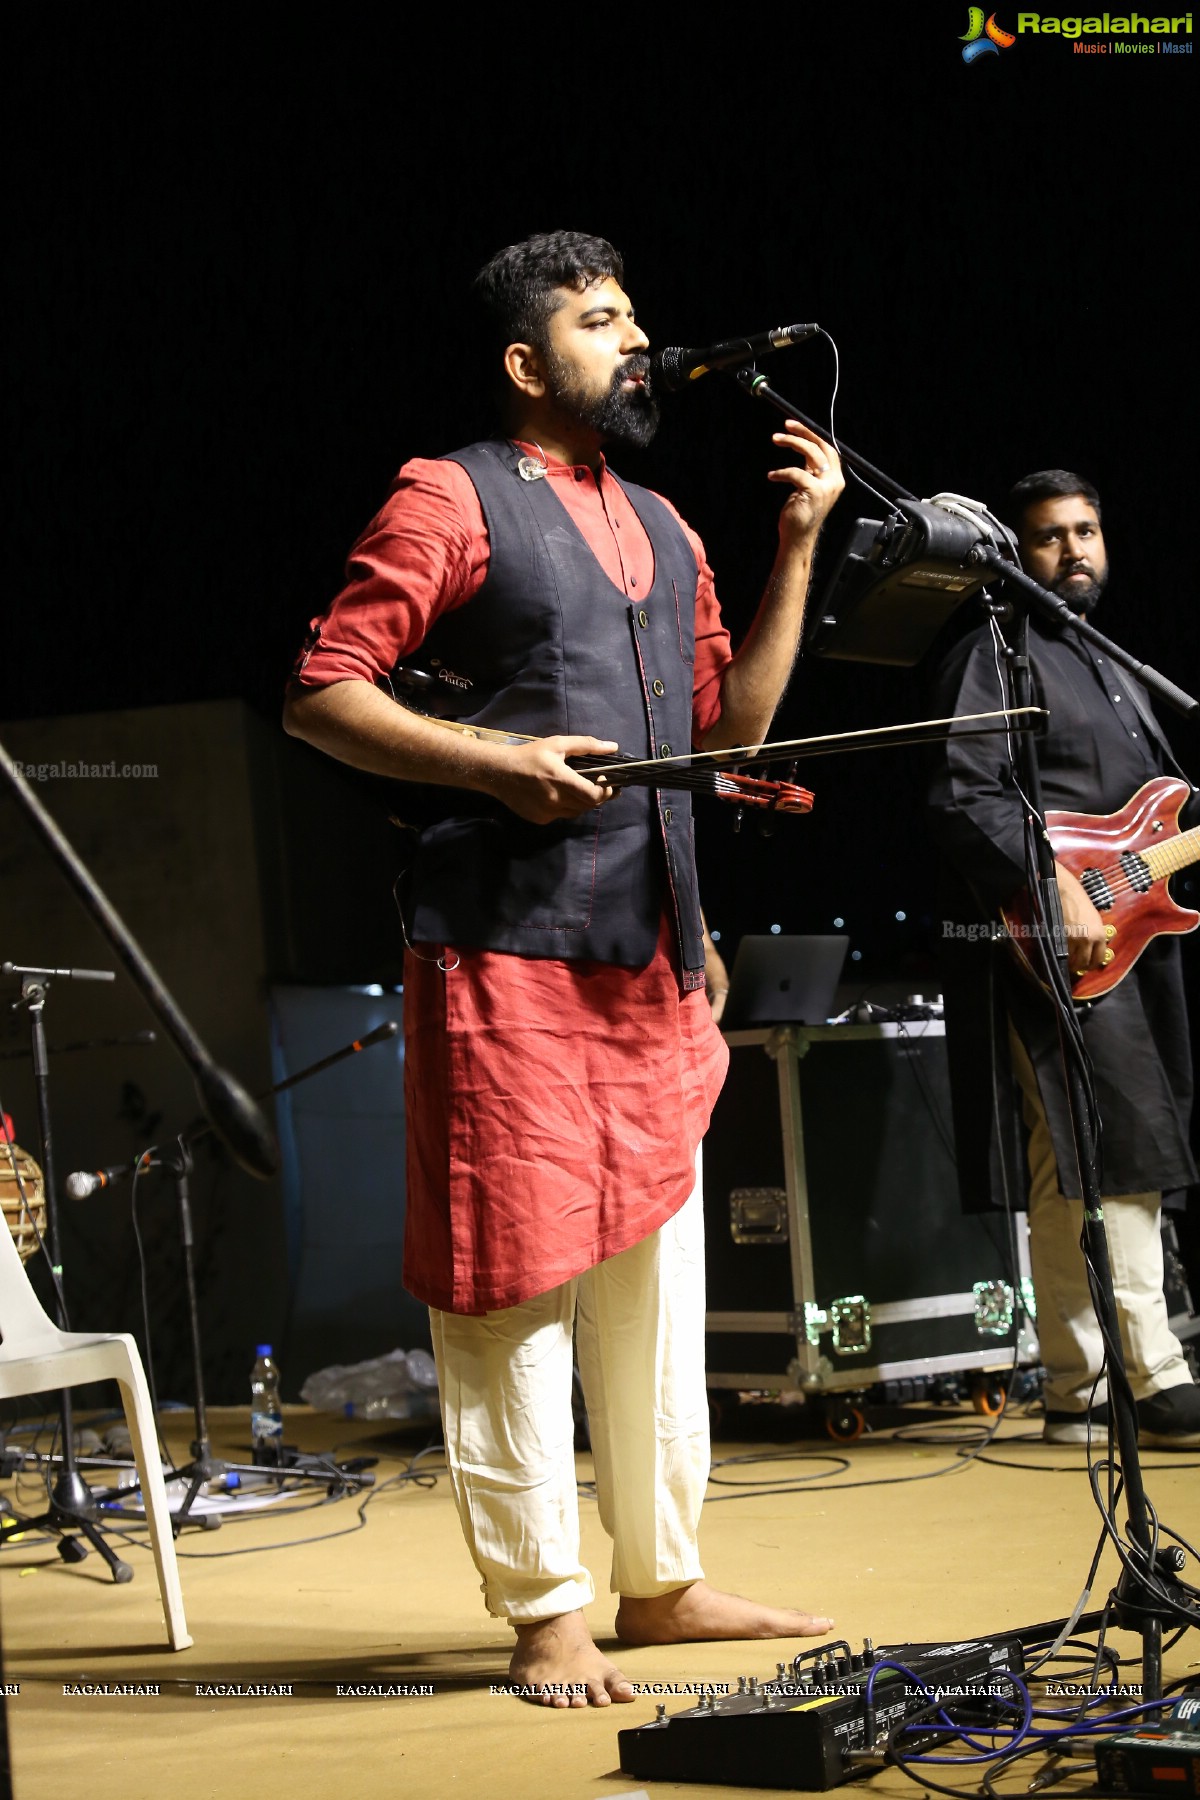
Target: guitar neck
{"points": [[1176, 853]]}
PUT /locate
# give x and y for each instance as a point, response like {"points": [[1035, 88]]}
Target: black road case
{"points": [[838, 1255]]}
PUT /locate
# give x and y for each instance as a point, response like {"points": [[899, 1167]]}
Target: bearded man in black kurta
{"points": [[1101, 745]]}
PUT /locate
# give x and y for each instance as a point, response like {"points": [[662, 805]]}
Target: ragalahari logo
{"points": [[983, 38]]}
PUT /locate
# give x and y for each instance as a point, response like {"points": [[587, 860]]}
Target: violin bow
{"points": [[878, 737], [715, 772]]}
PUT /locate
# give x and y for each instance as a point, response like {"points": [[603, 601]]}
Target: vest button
{"points": [[659, 689], [664, 750], [666, 815], [643, 618]]}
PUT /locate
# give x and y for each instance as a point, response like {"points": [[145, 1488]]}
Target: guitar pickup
{"points": [[1134, 869], [1097, 889]]}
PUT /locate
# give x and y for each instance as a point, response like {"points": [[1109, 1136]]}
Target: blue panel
{"points": [[342, 1137]]}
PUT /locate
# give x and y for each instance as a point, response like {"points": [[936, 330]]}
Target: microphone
{"points": [[675, 367], [80, 1185]]}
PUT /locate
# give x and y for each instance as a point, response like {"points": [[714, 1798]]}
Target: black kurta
{"points": [[1101, 745]]}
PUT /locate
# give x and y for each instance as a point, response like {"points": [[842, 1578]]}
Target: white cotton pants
{"points": [[505, 1381], [1068, 1331]]}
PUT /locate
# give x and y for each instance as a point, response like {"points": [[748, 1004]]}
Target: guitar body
{"points": [[1123, 860]]}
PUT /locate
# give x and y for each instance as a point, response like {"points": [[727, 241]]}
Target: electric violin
{"points": [[718, 772]]}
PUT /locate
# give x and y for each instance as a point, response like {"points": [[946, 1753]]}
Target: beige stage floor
{"points": [[898, 1540]]}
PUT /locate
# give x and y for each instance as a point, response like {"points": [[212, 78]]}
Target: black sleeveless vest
{"points": [[550, 645]]}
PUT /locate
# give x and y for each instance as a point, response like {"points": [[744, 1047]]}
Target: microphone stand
{"points": [[1147, 1574], [1145, 1598], [204, 1467], [71, 1512], [756, 385], [1059, 613], [224, 1101]]}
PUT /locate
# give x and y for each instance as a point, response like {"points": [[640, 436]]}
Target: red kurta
{"points": [[554, 1108]]}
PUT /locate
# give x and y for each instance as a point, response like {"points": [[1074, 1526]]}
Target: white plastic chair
{"points": [[37, 1358]]}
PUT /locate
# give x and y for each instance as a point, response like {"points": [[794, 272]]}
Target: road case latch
{"points": [[848, 1322], [993, 1308], [758, 1216], [850, 1319]]}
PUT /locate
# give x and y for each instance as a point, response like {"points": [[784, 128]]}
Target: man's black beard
{"points": [[1082, 600], [621, 416]]}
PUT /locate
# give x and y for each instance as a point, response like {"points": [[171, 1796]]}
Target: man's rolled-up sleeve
{"points": [[423, 554]]}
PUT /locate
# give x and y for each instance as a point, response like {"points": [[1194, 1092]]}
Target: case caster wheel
{"points": [[845, 1423], [72, 1550], [988, 1398]]}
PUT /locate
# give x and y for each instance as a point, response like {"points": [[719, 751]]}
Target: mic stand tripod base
{"points": [[71, 1514], [79, 1506], [234, 1477]]}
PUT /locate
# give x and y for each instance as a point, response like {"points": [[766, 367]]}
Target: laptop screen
{"points": [[783, 981]]}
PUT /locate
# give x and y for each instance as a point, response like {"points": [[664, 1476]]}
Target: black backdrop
{"points": [[240, 249]]}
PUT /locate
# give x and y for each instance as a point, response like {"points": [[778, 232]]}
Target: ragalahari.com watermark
{"points": [[86, 771], [977, 931]]}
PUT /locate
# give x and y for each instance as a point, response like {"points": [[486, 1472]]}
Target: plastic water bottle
{"points": [[266, 1409]]}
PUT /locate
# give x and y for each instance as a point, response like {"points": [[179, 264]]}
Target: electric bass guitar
{"points": [[1123, 861]]}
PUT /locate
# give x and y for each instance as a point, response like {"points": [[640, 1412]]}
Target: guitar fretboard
{"points": [[1176, 853]]}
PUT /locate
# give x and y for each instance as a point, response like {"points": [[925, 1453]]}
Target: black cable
{"points": [[894, 1759], [942, 1131], [1039, 1747], [1044, 1468], [1140, 1567], [963, 1460], [419, 1478], [750, 1457]]}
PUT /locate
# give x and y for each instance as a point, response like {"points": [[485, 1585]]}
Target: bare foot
{"points": [[556, 1663], [699, 1613]]}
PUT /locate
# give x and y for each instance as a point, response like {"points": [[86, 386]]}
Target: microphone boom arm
{"points": [[756, 385]]}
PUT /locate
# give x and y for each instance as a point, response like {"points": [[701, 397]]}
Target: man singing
{"points": [[561, 1059]]}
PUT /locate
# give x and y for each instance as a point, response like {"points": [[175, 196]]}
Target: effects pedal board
{"points": [[811, 1726], [1161, 1757]]}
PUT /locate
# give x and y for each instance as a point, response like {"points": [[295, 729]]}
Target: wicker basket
{"points": [[16, 1211]]}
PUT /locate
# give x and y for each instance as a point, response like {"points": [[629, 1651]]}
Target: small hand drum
{"points": [[26, 1219]]}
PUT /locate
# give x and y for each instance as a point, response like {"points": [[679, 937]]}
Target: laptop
{"points": [[783, 981]]}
